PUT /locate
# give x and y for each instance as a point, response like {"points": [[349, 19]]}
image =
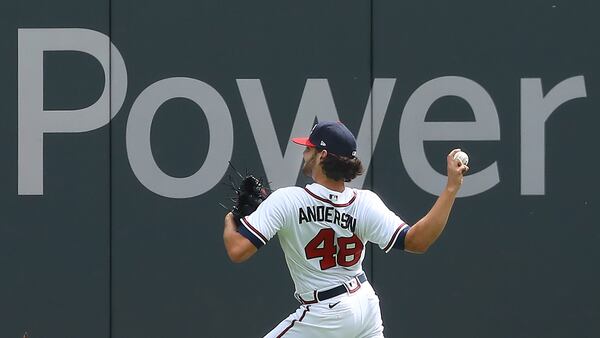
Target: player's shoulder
{"points": [[287, 191], [287, 194], [366, 196], [365, 193]]}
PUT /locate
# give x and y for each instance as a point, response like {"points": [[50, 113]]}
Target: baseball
{"points": [[462, 157]]}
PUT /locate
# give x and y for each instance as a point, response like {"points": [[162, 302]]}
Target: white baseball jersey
{"points": [[322, 232]]}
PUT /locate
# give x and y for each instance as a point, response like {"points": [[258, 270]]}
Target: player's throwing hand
{"points": [[456, 170]]}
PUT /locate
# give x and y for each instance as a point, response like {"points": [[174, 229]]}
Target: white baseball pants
{"points": [[344, 316]]}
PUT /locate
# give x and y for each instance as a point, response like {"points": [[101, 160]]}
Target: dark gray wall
{"points": [[99, 254], [507, 265], [54, 249]]}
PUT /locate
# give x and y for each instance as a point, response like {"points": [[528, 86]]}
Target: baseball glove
{"points": [[249, 194]]}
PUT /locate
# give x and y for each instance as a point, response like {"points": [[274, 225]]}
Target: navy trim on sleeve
{"points": [[250, 236], [400, 240], [392, 241]]}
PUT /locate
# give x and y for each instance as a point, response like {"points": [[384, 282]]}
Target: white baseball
{"points": [[462, 157]]}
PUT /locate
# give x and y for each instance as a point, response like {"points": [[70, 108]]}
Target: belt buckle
{"points": [[353, 285]]}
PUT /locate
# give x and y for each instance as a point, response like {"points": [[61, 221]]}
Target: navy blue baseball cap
{"points": [[331, 136]]}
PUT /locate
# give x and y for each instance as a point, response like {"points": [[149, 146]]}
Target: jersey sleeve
{"points": [[260, 226], [384, 227]]}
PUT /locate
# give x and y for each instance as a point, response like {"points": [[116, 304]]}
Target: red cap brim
{"points": [[304, 141]]}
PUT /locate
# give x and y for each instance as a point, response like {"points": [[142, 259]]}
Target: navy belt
{"points": [[336, 291]]}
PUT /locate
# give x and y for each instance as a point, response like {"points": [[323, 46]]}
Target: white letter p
{"points": [[34, 121]]}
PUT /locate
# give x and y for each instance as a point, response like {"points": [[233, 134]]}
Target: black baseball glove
{"points": [[249, 194]]}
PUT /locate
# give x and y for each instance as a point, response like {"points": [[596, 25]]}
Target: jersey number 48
{"points": [[323, 246]]}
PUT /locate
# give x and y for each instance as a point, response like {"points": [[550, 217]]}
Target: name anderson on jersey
{"points": [[320, 213]]}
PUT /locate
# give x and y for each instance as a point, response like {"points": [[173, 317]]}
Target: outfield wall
{"points": [[118, 119]]}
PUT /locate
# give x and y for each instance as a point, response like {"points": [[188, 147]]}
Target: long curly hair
{"points": [[339, 167]]}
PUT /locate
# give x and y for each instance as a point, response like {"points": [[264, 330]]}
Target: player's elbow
{"points": [[236, 258], [240, 250], [233, 253], [416, 248], [236, 255], [415, 244]]}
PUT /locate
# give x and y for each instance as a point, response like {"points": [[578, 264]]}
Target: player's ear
{"points": [[323, 154]]}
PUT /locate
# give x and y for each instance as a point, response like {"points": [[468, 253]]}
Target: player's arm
{"points": [[238, 247], [425, 232]]}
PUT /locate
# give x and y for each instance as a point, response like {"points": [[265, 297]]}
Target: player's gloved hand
{"points": [[456, 171], [250, 192], [249, 195]]}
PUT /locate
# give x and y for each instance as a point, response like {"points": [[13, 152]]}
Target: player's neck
{"points": [[328, 183]]}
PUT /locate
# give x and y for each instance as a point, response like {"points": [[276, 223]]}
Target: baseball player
{"points": [[323, 229]]}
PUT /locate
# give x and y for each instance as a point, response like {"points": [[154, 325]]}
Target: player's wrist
{"points": [[452, 188], [230, 219]]}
